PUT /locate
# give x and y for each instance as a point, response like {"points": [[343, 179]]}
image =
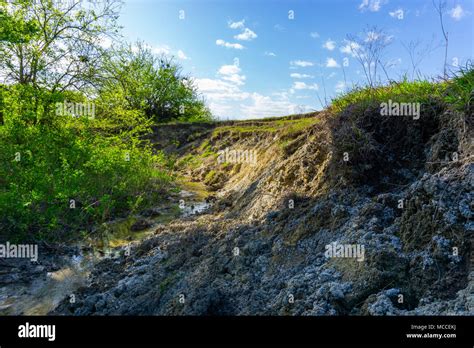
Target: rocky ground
{"points": [[260, 249]]}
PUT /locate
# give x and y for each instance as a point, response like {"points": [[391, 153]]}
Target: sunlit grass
{"points": [[457, 92]]}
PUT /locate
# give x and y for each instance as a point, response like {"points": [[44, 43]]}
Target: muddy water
{"points": [[44, 292], [46, 289]]}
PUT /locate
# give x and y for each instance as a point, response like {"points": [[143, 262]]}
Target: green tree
{"points": [[14, 29], [136, 79], [55, 44]]}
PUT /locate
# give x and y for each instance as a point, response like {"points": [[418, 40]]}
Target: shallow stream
{"points": [[44, 290]]}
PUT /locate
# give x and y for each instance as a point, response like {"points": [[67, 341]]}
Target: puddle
{"points": [[190, 207], [46, 290]]}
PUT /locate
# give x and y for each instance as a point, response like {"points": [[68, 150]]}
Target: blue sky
{"points": [[262, 58]]}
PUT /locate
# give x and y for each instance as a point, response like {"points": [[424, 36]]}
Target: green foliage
{"points": [[210, 177], [457, 92], [287, 127], [44, 165], [52, 157], [14, 28], [26, 105], [460, 90], [206, 149], [138, 81], [403, 91], [54, 44]]}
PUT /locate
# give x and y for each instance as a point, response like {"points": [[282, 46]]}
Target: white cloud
{"points": [[231, 73], [235, 78], [330, 45], [265, 106], [181, 55], [340, 87], [237, 25], [226, 100], [280, 95], [371, 5], [215, 86], [223, 43], [217, 90], [457, 13], [164, 49], [246, 35], [301, 63], [314, 34], [221, 110], [372, 36], [298, 85], [331, 63], [352, 48], [397, 14], [270, 54], [229, 69], [222, 93], [301, 76]]}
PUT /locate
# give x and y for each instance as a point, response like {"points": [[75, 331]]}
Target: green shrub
{"points": [[460, 90], [45, 165], [405, 91], [137, 80]]}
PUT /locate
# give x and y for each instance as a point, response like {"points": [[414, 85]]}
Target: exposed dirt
{"points": [[391, 186]]}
